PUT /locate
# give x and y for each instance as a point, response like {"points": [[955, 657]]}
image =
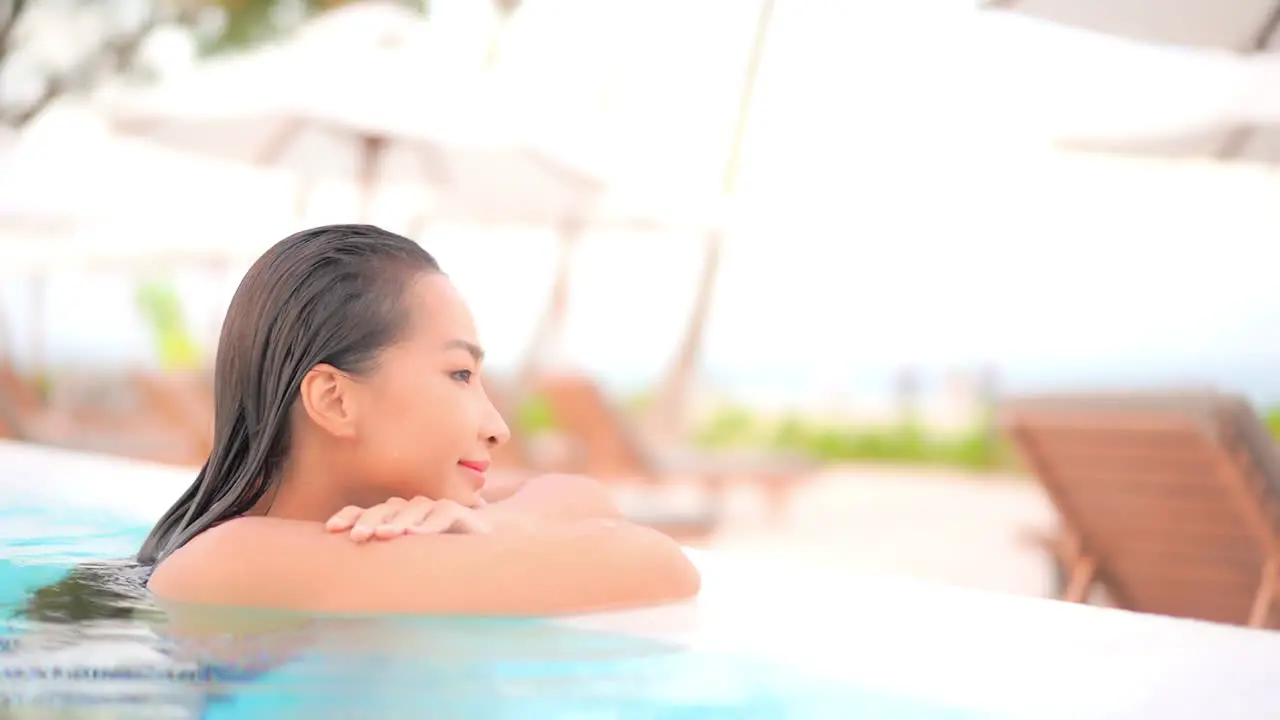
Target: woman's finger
{"points": [[344, 519], [443, 515], [409, 514], [471, 523], [370, 519], [450, 517]]}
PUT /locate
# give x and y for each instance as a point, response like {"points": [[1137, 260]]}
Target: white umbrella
{"points": [[371, 109], [356, 96], [37, 245], [1246, 127], [364, 102], [50, 225], [1241, 25], [100, 221]]}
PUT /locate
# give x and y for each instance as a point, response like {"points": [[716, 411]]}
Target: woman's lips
{"points": [[477, 469]]}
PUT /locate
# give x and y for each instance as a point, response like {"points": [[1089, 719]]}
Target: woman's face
{"points": [[425, 424]]}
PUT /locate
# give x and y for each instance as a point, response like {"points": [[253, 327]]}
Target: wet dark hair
{"points": [[99, 592], [331, 294]]}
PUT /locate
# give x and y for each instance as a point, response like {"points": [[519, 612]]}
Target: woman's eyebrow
{"points": [[476, 353]]}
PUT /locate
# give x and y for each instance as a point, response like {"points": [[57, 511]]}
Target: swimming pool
{"points": [[763, 641]]}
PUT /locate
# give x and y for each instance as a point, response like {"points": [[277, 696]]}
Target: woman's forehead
{"points": [[440, 311]]}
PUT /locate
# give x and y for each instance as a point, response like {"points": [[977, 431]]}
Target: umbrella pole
{"points": [[668, 418], [548, 335], [372, 148]]}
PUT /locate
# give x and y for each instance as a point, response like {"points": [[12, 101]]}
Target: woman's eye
{"points": [[462, 376]]}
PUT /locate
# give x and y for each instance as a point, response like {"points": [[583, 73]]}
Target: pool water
{"points": [[354, 667]]}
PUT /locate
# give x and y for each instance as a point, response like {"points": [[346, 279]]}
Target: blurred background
{"points": [[777, 260]]}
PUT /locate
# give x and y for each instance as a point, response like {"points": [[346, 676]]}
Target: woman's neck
{"points": [[305, 490]]}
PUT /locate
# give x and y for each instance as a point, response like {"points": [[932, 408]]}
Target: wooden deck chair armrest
{"points": [[1050, 541]]}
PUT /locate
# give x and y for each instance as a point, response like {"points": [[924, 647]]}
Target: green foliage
{"points": [[732, 426], [975, 449], [639, 402], [249, 22], [116, 48], [161, 308], [905, 443], [1272, 419], [534, 416]]}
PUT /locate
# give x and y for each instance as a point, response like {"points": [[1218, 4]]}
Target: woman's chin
{"points": [[464, 494]]}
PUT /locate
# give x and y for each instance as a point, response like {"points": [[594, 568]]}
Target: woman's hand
{"points": [[395, 517]]}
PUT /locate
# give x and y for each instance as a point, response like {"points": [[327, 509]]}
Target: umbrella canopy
{"points": [[24, 252], [56, 215], [51, 223], [358, 96], [371, 108], [1248, 126], [1241, 25], [1261, 143]]}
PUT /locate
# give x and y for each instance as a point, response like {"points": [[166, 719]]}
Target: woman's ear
{"points": [[327, 397]]}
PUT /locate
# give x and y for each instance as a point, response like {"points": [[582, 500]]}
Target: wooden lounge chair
{"points": [[184, 400], [24, 416], [1169, 501], [612, 450], [18, 399]]}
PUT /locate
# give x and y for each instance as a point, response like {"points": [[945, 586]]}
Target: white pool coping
{"points": [[1000, 654]]}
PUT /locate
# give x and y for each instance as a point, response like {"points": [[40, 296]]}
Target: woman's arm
{"points": [[558, 569], [544, 500]]}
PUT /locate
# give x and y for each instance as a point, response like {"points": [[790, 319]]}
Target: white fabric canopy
{"points": [[372, 108], [1241, 25], [1230, 41]]}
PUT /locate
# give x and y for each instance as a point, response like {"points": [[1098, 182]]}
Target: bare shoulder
{"points": [[569, 484], [564, 497], [212, 566], [272, 563]]}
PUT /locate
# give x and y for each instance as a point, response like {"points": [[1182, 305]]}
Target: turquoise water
{"points": [[354, 667]]}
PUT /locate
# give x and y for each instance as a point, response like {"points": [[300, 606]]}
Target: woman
{"points": [[352, 435]]}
